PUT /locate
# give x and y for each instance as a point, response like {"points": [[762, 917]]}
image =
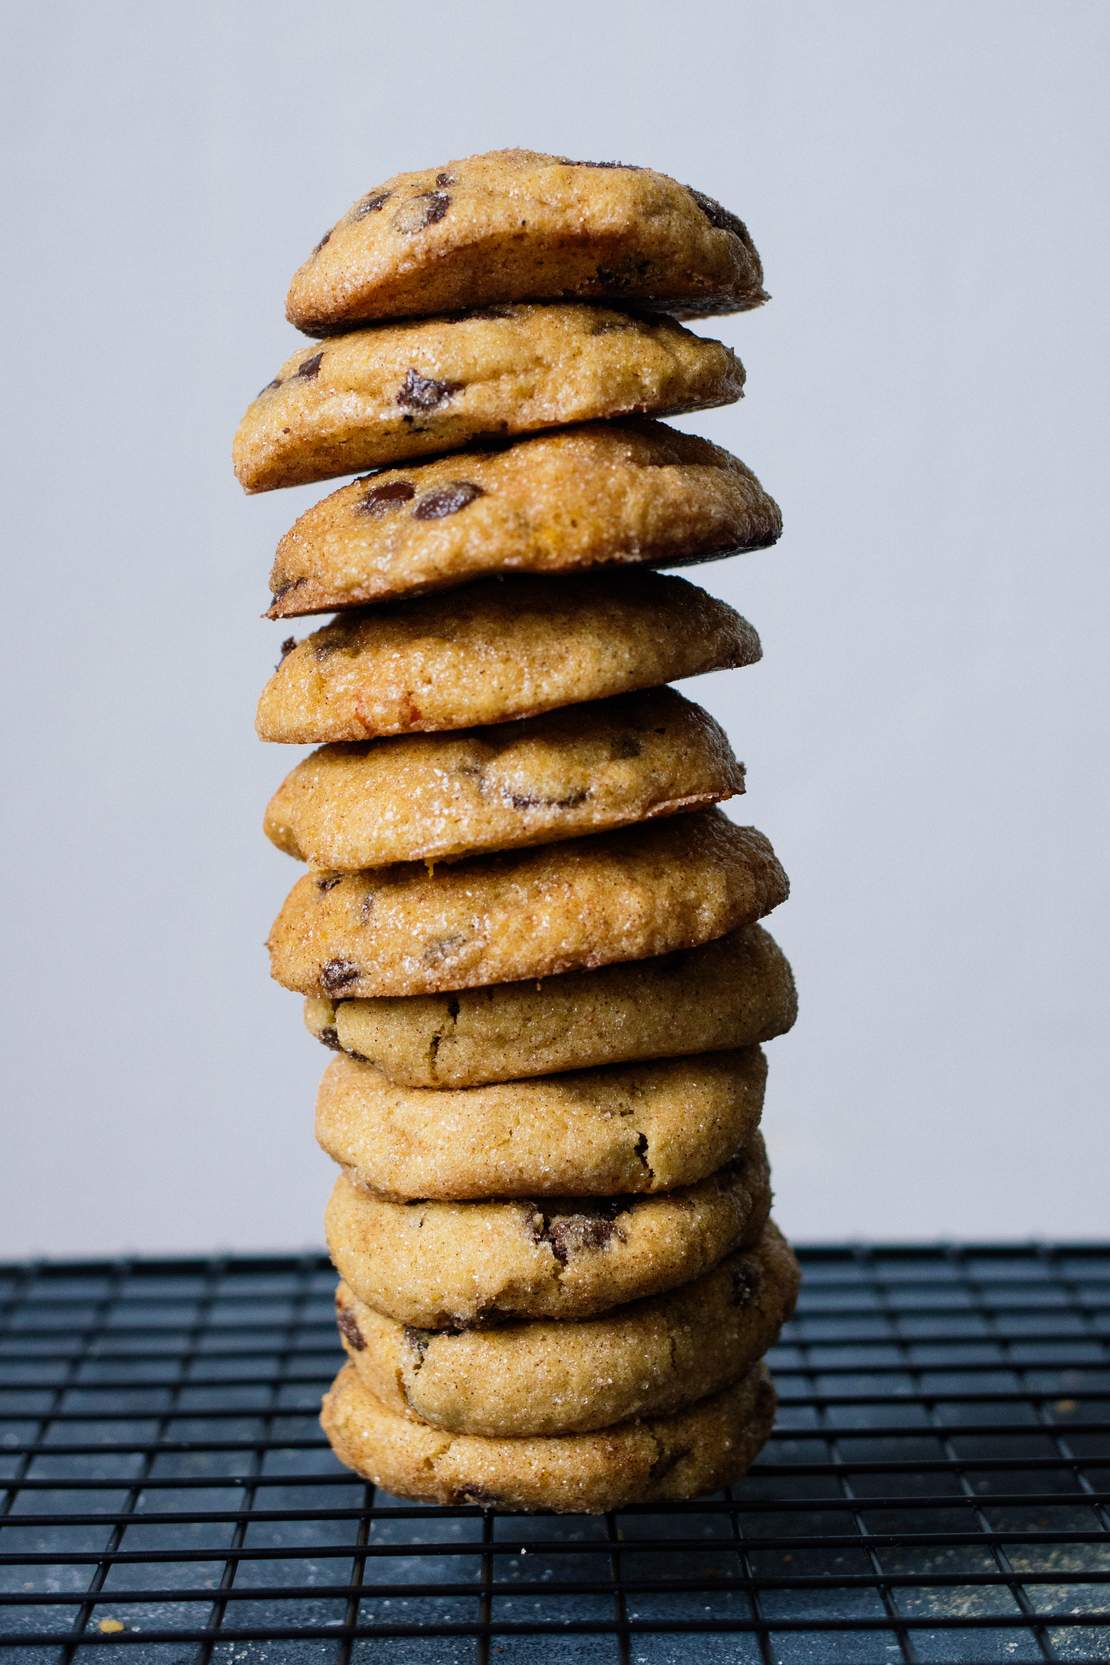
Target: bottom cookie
{"points": [[662, 1459]]}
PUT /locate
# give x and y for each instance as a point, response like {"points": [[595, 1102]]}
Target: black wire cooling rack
{"points": [[937, 1488]]}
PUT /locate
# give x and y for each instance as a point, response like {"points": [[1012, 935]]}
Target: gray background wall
{"points": [[925, 738]]}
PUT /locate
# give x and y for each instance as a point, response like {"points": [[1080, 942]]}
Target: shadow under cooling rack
{"points": [[937, 1489]]}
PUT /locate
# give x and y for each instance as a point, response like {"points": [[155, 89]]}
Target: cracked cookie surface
{"points": [[603, 494], [440, 1265], [649, 1358], [436, 797], [496, 650], [628, 1128], [730, 993], [383, 395], [512, 225], [707, 1446], [587, 902]]}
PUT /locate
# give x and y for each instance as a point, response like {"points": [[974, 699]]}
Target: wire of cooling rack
{"points": [[937, 1490]]}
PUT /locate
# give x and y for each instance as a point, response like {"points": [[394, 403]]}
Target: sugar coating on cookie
{"points": [[435, 797], [603, 494], [525, 913], [648, 1358], [730, 993], [496, 650], [383, 395], [635, 1128], [448, 1265], [520, 225], [709, 1445]]}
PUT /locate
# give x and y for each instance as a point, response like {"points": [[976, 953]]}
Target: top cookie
{"points": [[516, 225], [382, 395], [613, 494]]}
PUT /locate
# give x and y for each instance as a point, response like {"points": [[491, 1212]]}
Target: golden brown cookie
{"points": [[518, 225], [440, 1265], [525, 913], [497, 650], [604, 494], [380, 396], [648, 1358], [628, 1128], [729, 993], [663, 1459], [435, 797]]}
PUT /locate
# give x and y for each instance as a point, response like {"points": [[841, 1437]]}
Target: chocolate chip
{"points": [[420, 211], [329, 881], [372, 204], [476, 1494], [271, 385], [447, 500], [625, 745], [485, 312], [349, 1328], [336, 974], [287, 647], [744, 1281], [285, 589], [452, 1006], [439, 949], [325, 647], [572, 1234], [535, 800], [382, 500], [367, 905], [718, 216], [329, 1037], [418, 1341], [419, 392], [326, 238], [309, 368], [446, 179]]}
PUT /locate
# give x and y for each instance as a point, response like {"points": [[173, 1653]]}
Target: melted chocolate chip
{"points": [[337, 974], [329, 1037], [420, 211], [572, 1234], [535, 800], [382, 500], [309, 368], [329, 881], [446, 179], [349, 1328], [447, 500], [718, 216], [419, 392], [372, 204], [418, 1341]]}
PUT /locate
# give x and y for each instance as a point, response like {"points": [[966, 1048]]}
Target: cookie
{"points": [[627, 1128], [524, 913], [435, 797], [662, 1459], [648, 1358], [441, 1265], [517, 225], [729, 993], [498, 649], [604, 494], [380, 396]]}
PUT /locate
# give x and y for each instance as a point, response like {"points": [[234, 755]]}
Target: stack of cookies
{"points": [[526, 930]]}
